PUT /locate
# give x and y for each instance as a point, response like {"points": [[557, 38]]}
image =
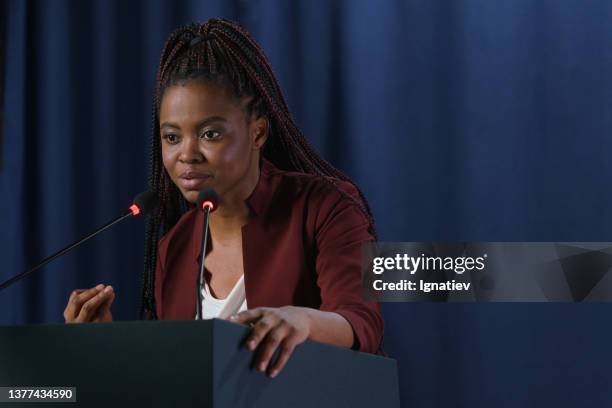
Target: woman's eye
{"points": [[210, 135], [170, 138]]}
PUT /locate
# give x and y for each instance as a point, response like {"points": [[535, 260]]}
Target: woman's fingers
{"points": [[70, 307], [286, 348], [77, 298], [90, 307], [274, 329], [260, 330], [76, 292], [247, 316], [109, 301], [270, 343], [104, 313]]}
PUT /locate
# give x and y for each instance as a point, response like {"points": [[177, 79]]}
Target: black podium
{"points": [[186, 364]]}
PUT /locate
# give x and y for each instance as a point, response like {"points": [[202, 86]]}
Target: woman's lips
{"points": [[193, 181]]}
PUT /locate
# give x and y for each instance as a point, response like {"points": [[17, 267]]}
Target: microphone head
{"points": [[144, 203], [208, 198]]}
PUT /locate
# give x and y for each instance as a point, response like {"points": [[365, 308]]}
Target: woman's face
{"points": [[207, 141]]}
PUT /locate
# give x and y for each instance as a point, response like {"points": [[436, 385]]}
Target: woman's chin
{"points": [[191, 196]]}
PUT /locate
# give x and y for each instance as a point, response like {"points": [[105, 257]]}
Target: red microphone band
{"points": [[208, 204], [134, 209]]}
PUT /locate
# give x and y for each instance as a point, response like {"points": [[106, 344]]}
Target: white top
{"points": [[223, 308]]}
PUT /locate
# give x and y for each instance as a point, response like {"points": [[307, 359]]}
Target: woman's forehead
{"points": [[196, 99], [204, 92]]}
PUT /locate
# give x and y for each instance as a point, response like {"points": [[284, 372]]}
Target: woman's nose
{"points": [[190, 150]]}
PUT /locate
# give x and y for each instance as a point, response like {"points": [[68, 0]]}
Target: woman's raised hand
{"points": [[90, 305]]}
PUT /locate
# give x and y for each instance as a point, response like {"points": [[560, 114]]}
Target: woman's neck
{"points": [[233, 213], [229, 219]]}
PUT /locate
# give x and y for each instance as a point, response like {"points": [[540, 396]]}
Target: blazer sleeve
{"points": [[341, 230]]}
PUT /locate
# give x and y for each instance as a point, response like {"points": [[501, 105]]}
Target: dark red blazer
{"points": [[301, 247]]}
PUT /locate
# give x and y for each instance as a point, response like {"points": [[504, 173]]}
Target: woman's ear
{"points": [[259, 131]]}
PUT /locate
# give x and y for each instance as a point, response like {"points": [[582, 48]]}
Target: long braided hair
{"points": [[222, 53]]}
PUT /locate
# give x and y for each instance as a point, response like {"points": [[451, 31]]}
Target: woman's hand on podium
{"points": [[90, 305], [283, 328], [280, 328]]}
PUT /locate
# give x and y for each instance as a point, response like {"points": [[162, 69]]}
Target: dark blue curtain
{"points": [[461, 120]]}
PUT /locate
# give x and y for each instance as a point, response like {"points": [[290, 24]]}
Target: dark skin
{"points": [[209, 140]]}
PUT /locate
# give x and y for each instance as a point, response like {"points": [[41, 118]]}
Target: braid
{"points": [[221, 52]]}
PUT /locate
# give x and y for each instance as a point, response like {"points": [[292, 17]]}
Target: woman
{"points": [[285, 242]]}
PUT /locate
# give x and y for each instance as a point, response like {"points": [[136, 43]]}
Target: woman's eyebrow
{"points": [[199, 125], [170, 125]]}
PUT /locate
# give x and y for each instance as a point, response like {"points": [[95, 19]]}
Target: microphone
{"points": [[208, 201], [143, 204]]}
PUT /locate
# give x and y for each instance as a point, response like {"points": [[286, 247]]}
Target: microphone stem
{"points": [[200, 282], [59, 253]]}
